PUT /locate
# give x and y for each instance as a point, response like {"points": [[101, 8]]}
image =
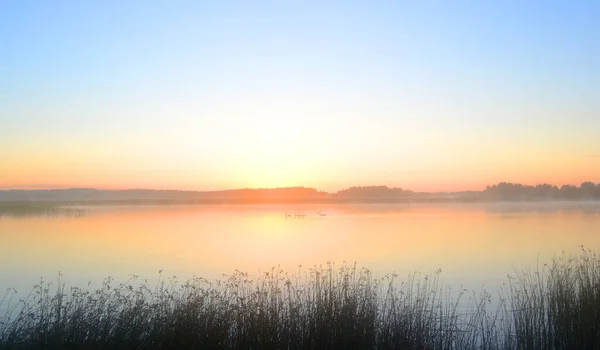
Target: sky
{"points": [[208, 95]]}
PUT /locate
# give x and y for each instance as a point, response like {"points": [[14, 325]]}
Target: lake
{"points": [[475, 245]]}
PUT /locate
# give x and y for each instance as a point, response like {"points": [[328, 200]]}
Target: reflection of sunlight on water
{"points": [[472, 246]]}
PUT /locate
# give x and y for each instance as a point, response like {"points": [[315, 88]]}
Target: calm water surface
{"points": [[475, 245]]}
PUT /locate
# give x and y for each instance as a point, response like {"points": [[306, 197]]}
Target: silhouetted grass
{"points": [[324, 308], [557, 307]]}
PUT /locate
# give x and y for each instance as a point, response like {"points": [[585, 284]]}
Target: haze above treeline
{"points": [[500, 192]]}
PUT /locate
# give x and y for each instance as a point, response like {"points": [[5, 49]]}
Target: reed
{"points": [[326, 307], [556, 306]]}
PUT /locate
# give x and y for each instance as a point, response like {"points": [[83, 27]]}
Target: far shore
{"points": [[332, 201]]}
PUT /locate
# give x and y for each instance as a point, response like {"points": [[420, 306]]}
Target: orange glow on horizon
{"points": [[42, 173]]}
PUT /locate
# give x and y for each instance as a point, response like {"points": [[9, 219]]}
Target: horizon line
{"points": [[267, 188]]}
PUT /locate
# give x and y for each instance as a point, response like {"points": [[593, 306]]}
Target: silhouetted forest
{"points": [[245, 195], [510, 191], [503, 191], [373, 192]]}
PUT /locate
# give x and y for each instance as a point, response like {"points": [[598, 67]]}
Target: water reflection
{"points": [[542, 207], [474, 245]]}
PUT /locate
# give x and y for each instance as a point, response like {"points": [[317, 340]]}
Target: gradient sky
{"points": [[424, 95]]}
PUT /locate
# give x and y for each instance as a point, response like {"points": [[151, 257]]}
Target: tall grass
{"points": [[327, 307], [557, 306]]}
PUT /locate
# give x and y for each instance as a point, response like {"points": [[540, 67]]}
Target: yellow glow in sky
{"points": [[213, 96]]}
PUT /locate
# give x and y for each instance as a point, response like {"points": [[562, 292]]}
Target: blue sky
{"points": [[274, 93]]}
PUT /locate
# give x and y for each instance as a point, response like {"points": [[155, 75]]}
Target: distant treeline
{"points": [[510, 191], [91, 194], [373, 192], [500, 192]]}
